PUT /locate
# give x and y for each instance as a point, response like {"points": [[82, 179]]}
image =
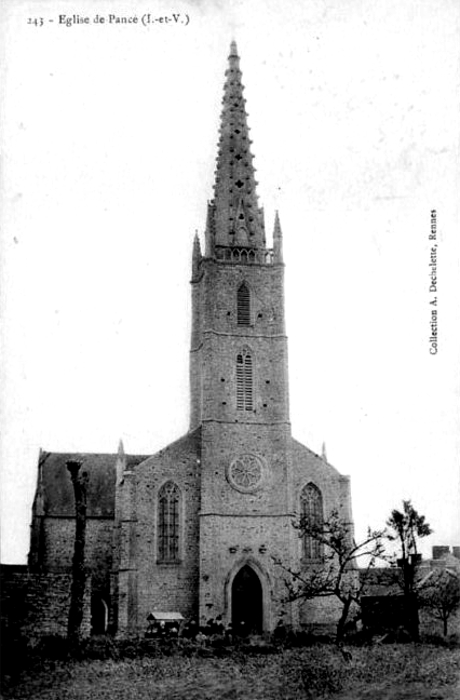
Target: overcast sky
{"points": [[109, 143]]}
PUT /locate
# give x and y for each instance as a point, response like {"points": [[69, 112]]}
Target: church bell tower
{"points": [[239, 382], [238, 365]]}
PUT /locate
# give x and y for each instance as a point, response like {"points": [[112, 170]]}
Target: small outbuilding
{"points": [[164, 623]]}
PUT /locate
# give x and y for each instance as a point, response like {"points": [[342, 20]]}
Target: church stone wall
{"points": [[238, 527], [223, 442], [269, 378], [217, 338], [320, 613], [195, 368], [228, 543], [335, 488], [59, 536], [168, 587], [219, 302]]}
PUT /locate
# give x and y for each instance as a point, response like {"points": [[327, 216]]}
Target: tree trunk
{"points": [[77, 589], [342, 620], [412, 617], [410, 598]]}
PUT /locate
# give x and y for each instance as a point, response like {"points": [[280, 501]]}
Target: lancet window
{"points": [[243, 304], [244, 381], [168, 522], [311, 508]]}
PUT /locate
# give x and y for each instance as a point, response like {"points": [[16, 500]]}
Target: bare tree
{"points": [[77, 589], [336, 575], [408, 526], [439, 594]]}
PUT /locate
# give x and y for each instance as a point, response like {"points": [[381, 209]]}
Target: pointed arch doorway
{"points": [[247, 602]]}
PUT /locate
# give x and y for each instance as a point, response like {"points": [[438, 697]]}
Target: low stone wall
{"points": [[35, 604]]}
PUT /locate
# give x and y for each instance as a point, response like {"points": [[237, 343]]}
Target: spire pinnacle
{"points": [[236, 216], [277, 240], [196, 255], [323, 452], [120, 464]]}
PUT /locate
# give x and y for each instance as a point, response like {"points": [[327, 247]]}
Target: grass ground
{"points": [[386, 672]]}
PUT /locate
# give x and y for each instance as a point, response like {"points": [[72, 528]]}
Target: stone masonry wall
{"points": [[231, 542], [217, 339], [244, 527], [222, 443], [169, 587], [57, 548], [265, 283], [335, 488], [37, 604]]}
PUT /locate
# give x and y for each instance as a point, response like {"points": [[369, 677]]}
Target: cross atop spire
{"points": [[235, 218]]}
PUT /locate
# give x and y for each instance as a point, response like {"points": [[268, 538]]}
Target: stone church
{"points": [[196, 527]]}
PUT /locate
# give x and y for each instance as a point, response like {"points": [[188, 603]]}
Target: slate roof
{"points": [[57, 490]]}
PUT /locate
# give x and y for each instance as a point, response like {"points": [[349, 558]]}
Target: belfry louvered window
{"points": [[168, 523], [243, 303], [311, 506], [244, 390]]}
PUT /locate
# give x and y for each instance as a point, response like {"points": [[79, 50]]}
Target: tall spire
{"points": [[237, 218]]}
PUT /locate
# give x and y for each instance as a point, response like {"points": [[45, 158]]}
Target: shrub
{"points": [[321, 678], [261, 649], [53, 647], [452, 640], [99, 647]]}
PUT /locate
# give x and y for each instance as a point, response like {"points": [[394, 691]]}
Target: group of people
{"points": [[212, 629], [216, 628]]}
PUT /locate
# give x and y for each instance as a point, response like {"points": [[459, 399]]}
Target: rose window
{"points": [[245, 472]]}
